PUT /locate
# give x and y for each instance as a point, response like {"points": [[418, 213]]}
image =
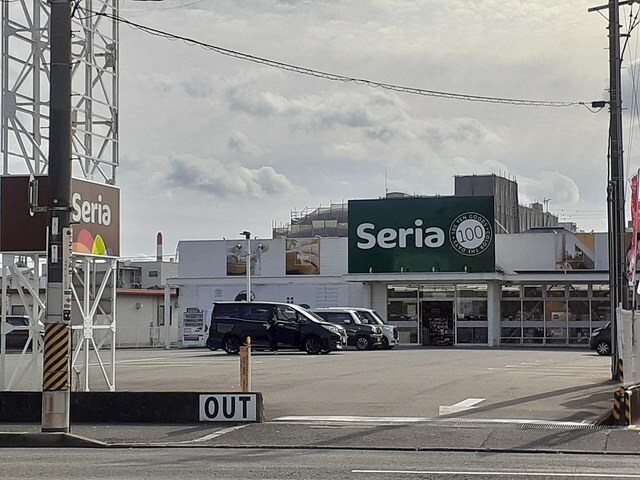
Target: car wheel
{"points": [[363, 343], [325, 351], [603, 348], [313, 345], [231, 344]]}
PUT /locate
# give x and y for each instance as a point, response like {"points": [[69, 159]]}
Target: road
{"points": [[206, 463]]}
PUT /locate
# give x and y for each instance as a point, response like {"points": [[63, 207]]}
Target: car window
{"points": [[335, 317], [375, 315], [286, 314], [364, 317], [261, 313], [226, 310]]}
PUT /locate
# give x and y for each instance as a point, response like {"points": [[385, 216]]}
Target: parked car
{"points": [[17, 332], [600, 340], [390, 333], [233, 322], [360, 333]]}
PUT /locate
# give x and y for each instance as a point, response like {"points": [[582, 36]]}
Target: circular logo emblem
{"points": [[470, 234]]}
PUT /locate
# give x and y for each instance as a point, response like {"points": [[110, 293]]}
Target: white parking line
{"points": [[467, 404], [217, 434], [520, 473]]}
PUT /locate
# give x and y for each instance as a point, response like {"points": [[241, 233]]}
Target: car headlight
{"points": [[332, 329]]}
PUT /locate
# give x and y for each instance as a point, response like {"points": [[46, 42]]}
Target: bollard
{"points": [[245, 366]]}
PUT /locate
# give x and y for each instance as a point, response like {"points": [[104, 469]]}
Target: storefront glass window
{"points": [[438, 291], [600, 291], [471, 310], [472, 335], [578, 290], [555, 291], [471, 291], [402, 311], [511, 291], [532, 310], [511, 321], [600, 313], [532, 291]]}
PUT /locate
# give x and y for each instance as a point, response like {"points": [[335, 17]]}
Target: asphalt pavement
{"points": [[351, 433], [565, 395]]}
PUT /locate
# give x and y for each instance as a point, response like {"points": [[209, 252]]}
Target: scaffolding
{"points": [[24, 145]]}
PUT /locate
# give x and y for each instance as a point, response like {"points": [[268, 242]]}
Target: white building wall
{"points": [[526, 252], [333, 255], [202, 259]]}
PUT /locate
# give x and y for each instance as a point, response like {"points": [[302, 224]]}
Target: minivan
{"points": [[233, 322], [360, 333]]}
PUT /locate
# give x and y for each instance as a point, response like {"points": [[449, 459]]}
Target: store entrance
{"points": [[437, 322]]}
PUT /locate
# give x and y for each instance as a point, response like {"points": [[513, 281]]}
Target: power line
{"points": [[341, 78]]}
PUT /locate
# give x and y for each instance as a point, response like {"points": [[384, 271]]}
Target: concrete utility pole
{"points": [[247, 263], [55, 381], [618, 289]]}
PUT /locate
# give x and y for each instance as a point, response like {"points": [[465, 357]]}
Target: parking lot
{"points": [[409, 381]]}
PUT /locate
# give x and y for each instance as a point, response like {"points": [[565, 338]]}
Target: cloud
{"points": [[185, 173], [561, 189]]}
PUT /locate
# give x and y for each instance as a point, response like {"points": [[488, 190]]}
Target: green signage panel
{"points": [[443, 234]]}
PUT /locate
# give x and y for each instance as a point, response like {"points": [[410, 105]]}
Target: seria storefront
{"points": [[438, 271]]}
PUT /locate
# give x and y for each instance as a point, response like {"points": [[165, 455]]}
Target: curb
{"points": [[32, 440]]}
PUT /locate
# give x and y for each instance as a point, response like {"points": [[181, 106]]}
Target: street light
{"points": [[247, 264]]}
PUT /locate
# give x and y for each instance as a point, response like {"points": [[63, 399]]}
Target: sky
{"points": [[211, 146]]}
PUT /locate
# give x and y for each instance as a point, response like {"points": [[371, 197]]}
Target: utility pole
{"points": [[247, 263], [56, 365], [618, 290]]}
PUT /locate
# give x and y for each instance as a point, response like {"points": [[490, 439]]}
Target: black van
{"points": [[233, 322]]}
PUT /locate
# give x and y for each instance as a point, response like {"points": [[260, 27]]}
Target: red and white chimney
{"points": [[159, 247]]}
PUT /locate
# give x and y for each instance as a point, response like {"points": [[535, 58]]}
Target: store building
{"points": [[445, 270]]}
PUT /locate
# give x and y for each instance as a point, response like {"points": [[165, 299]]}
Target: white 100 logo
{"points": [[432, 237], [470, 234]]}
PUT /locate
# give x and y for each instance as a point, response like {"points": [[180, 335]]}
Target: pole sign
{"points": [[229, 407], [416, 234]]}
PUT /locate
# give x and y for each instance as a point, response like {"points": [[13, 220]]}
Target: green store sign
{"points": [[444, 234]]}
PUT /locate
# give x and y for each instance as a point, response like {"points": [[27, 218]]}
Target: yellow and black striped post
{"points": [[618, 406], [55, 375], [55, 378], [620, 371], [622, 407]]}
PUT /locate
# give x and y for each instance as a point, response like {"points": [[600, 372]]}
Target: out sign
{"points": [[229, 407]]}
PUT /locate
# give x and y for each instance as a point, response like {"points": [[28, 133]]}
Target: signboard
{"points": [[95, 216], [302, 256], [227, 407], [237, 256], [415, 234]]}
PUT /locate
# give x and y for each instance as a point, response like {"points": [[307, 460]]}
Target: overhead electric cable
{"points": [[340, 78]]}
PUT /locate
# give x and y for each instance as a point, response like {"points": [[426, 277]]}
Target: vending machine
{"points": [[192, 328]]}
